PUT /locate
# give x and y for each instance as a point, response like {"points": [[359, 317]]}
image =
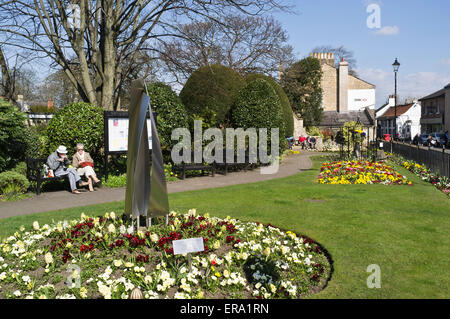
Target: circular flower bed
{"points": [[360, 172], [102, 257]]}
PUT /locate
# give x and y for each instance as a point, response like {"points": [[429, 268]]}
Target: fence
{"points": [[437, 160]]}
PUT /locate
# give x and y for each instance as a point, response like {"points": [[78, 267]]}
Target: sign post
{"points": [[188, 246]]}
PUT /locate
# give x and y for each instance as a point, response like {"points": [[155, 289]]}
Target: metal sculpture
{"points": [[146, 192]]}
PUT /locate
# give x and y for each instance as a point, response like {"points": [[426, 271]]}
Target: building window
{"points": [[438, 111]]}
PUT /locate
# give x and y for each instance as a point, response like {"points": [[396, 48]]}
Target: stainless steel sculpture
{"points": [[146, 193]]}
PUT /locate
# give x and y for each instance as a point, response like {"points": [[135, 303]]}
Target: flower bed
{"points": [[241, 260], [360, 172], [441, 182]]}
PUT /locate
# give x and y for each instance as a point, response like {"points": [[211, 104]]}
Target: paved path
{"points": [[49, 201]]}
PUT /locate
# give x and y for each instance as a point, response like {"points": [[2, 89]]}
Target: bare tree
{"points": [[100, 34], [339, 53], [7, 83], [247, 44]]}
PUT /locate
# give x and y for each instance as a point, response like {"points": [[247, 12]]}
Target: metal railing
{"points": [[435, 159]]}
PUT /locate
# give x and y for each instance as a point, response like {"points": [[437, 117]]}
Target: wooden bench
{"points": [[183, 167], [225, 165], [35, 172]]}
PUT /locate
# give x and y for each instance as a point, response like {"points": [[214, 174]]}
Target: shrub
{"points": [[13, 178], [20, 168], [257, 105], [41, 109], [77, 123], [209, 93], [33, 143], [313, 131], [285, 104], [171, 113], [12, 130]]}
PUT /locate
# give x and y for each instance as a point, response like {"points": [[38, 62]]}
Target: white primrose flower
{"points": [[35, 225]]}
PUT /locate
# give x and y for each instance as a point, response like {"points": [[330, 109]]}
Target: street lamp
{"points": [[396, 66]]}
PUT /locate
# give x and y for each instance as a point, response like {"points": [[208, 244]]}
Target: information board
{"points": [[118, 134]]}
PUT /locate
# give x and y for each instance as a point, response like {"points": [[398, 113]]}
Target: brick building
{"points": [[436, 111]]}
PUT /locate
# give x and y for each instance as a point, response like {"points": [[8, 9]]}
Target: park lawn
{"points": [[403, 229]]}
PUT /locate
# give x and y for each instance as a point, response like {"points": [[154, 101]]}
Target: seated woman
{"points": [[84, 164], [59, 162]]}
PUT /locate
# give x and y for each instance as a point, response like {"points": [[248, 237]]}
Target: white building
{"points": [[408, 120]]}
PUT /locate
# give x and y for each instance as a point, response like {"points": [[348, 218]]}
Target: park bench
{"points": [[226, 165], [35, 172], [183, 167]]}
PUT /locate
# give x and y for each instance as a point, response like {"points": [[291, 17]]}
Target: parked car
{"points": [[424, 139], [439, 137]]}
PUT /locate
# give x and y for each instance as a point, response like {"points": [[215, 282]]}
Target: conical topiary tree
{"points": [[288, 115], [209, 93], [171, 113], [257, 105]]}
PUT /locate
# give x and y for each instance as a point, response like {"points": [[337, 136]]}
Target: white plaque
{"points": [[118, 134], [186, 246]]}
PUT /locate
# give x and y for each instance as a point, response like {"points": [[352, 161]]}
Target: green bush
{"points": [[13, 178], [33, 142], [285, 104], [171, 113], [257, 105], [12, 130], [20, 168], [209, 93], [313, 131], [41, 109], [77, 123]]}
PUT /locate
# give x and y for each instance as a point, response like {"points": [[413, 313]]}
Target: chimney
{"points": [[50, 103], [343, 87], [391, 100]]}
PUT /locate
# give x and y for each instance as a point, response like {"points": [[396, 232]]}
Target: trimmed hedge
{"points": [[77, 123], [257, 105], [288, 115], [12, 130], [171, 113], [209, 93], [13, 178]]}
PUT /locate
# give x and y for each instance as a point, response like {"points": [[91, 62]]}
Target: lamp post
{"points": [[396, 66]]}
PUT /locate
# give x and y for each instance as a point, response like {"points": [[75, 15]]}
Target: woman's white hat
{"points": [[62, 149]]}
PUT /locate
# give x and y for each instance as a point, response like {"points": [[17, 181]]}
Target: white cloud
{"points": [[445, 61], [416, 85], [388, 30]]}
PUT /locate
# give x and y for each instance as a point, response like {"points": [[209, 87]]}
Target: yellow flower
{"points": [[217, 274]]}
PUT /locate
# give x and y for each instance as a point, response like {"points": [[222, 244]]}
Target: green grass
{"points": [[403, 229]]}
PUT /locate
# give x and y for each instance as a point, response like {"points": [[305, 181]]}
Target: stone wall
{"points": [[298, 128], [357, 84], [329, 87]]}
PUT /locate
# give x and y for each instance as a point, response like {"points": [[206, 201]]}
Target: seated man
{"points": [[84, 164], [58, 162]]}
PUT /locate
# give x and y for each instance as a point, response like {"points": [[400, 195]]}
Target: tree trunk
{"points": [[6, 78]]}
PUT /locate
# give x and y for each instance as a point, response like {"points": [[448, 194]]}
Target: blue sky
{"points": [[415, 31]]}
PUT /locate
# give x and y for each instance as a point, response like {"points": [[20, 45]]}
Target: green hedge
{"points": [[171, 113], [288, 115], [77, 123], [257, 105], [12, 131], [13, 178], [209, 93]]}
